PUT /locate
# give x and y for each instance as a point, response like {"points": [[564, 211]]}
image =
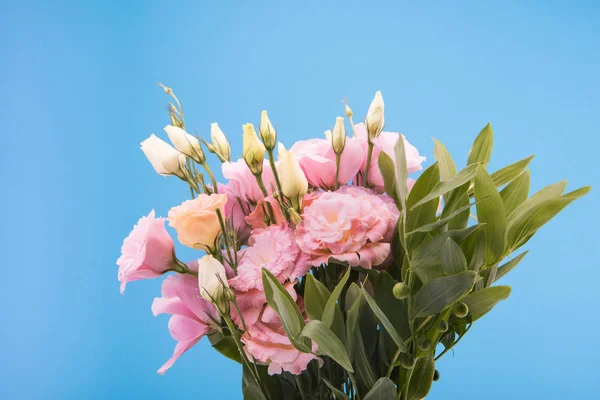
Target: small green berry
{"points": [[461, 310], [401, 290], [424, 343], [406, 361], [442, 326], [436, 376]]}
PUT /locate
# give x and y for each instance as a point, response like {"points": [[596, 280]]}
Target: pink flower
{"points": [[147, 252], [275, 249], [266, 342], [196, 221], [317, 160], [256, 219], [386, 142], [192, 316], [243, 184], [236, 210], [347, 227]]}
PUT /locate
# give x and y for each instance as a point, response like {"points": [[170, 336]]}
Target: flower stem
{"points": [[369, 156], [337, 170], [212, 177]]}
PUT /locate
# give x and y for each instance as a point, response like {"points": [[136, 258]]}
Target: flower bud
{"points": [[448, 339], [375, 119], [424, 343], [338, 137], [294, 216], [294, 184], [212, 280], [442, 326], [436, 375], [407, 361], [165, 159], [185, 143], [328, 135], [401, 290], [460, 310], [167, 90], [267, 132], [253, 151], [348, 110], [220, 145]]}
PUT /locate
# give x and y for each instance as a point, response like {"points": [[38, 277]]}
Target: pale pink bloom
{"points": [[273, 248], [256, 219], [192, 316], [347, 227], [310, 197], [196, 221], [386, 142], [236, 210], [266, 342], [243, 183], [317, 160], [147, 252]]}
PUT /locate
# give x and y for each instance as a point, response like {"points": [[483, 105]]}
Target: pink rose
{"points": [[275, 249], [317, 160], [192, 316], [147, 252], [243, 184], [386, 142], [347, 227], [196, 220]]}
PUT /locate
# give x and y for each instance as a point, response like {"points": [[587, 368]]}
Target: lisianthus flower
{"points": [[236, 210], [192, 316], [147, 252], [256, 219], [347, 227], [243, 183]]}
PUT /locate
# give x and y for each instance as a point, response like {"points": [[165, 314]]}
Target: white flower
{"points": [[219, 142], [294, 184], [212, 279], [375, 119], [165, 159], [267, 132], [253, 151], [185, 143], [338, 137]]}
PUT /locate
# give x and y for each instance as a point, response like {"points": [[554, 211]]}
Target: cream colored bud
{"points": [[167, 90], [253, 151], [212, 280], [185, 143], [328, 135], [294, 184], [220, 144], [267, 132], [348, 111], [338, 137], [375, 119], [165, 159]]}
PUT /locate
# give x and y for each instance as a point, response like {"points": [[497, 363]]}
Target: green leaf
{"points": [[331, 305], [355, 346], [510, 172], [425, 213], [481, 152], [388, 171], [422, 378], [474, 250], [393, 308], [490, 211], [443, 157], [515, 192], [339, 395], [482, 301], [455, 200], [328, 343], [283, 304], [401, 171], [440, 293], [521, 230], [546, 193], [509, 265], [384, 389], [252, 392], [384, 321], [443, 187], [453, 259], [315, 299], [226, 346], [442, 221]]}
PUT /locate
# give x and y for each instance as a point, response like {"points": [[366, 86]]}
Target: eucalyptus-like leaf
{"points": [[515, 192], [481, 151], [315, 299], [388, 171], [383, 389], [443, 187], [482, 301], [490, 211], [393, 308], [474, 250], [453, 259], [339, 395], [443, 220], [440, 293], [384, 321], [425, 213], [546, 193], [421, 378], [509, 265], [328, 343], [444, 159], [226, 345], [510, 172], [331, 305]]}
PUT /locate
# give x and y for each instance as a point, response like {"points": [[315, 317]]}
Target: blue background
{"points": [[79, 94]]}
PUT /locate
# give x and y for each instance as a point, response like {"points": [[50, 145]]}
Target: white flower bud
{"points": [[253, 151], [294, 184], [375, 119], [219, 142], [165, 159], [348, 110], [267, 132], [338, 137], [185, 143], [212, 280]]}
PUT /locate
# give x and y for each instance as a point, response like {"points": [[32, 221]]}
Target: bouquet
{"points": [[329, 273]]}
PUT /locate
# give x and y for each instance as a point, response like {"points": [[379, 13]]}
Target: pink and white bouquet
{"points": [[329, 273]]}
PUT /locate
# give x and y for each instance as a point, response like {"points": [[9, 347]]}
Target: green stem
{"points": [[337, 170], [212, 177], [369, 156], [278, 183], [300, 388], [263, 189]]}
